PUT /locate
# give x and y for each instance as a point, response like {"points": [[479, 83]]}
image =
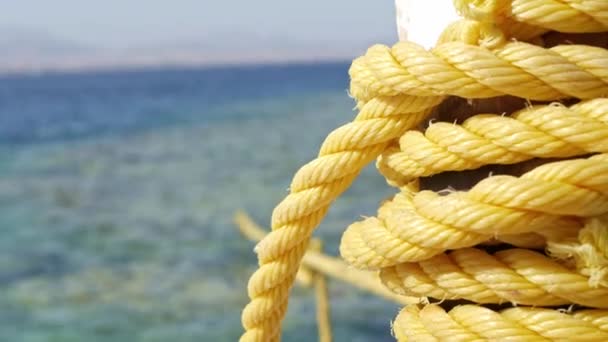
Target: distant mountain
{"points": [[17, 43], [31, 51]]}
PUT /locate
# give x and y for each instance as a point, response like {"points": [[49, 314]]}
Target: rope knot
{"points": [[483, 34], [481, 10]]}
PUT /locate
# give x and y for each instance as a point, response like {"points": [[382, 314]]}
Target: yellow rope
{"points": [[253, 232], [474, 323], [491, 34], [344, 153], [557, 204], [415, 227], [538, 132], [558, 15], [519, 69], [321, 264], [305, 276], [519, 276]]}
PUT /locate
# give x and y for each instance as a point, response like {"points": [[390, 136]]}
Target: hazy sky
{"points": [[121, 23]]}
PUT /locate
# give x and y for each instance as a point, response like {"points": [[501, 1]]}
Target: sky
{"points": [[217, 28]]}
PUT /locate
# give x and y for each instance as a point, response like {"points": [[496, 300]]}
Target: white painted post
{"points": [[422, 21]]}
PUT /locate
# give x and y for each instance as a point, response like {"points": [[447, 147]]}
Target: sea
{"points": [[118, 190]]}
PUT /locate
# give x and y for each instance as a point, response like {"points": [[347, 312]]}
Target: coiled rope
{"points": [[438, 245]]}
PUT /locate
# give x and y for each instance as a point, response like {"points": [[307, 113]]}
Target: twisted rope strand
{"points": [[518, 276], [490, 35], [599, 318], [474, 323], [538, 132], [460, 69], [574, 16], [405, 232]]}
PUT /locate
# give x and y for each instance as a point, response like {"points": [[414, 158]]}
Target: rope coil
{"points": [[437, 244], [475, 323]]}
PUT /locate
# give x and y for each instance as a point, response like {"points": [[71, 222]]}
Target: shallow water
{"points": [[117, 192]]}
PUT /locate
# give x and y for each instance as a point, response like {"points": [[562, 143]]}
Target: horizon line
{"points": [[143, 67]]}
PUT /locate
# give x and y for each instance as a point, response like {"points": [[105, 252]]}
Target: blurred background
{"points": [[130, 132]]}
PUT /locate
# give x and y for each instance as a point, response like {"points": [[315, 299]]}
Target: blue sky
{"points": [[122, 23]]}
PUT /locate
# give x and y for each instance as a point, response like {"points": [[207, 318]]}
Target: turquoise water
{"points": [[117, 192]]}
